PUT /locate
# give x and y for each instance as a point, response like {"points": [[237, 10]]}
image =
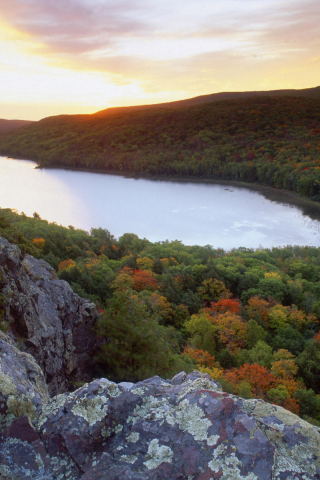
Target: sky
{"points": [[81, 56]]}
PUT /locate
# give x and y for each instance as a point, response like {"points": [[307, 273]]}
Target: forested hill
{"points": [[12, 124], [215, 97], [273, 140]]}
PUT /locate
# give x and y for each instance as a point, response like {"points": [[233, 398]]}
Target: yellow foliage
{"points": [[38, 242], [145, 263], [273, 275], [284, 366], [278, 317], [214, 372]]}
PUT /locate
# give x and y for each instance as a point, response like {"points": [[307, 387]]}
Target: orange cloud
{"points": [[160, 50]]}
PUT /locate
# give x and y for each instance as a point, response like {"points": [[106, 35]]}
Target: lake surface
{"points": [[196, 213]]}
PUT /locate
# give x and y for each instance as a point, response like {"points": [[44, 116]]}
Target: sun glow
{"points": [[80, 56]]}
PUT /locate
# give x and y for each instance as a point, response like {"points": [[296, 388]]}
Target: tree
{"points": [[202, 332], [39, 242], [290, 339], [160, 308], [213, 289], [255, 333], [258, 310], [309, 403], [145, 263], [278, 317], [144, 280], [309, 366], [261, 354], [65, 264], [258, 377], [283, 365], [223, 305], [232, 330], [135, 346], [202, 358], [272, 286]]}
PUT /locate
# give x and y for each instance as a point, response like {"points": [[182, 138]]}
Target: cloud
{"points": [[182, 47], [79, 27], [73, 26]]}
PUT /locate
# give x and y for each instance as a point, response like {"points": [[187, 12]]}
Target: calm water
{"points": [[219, 215]]}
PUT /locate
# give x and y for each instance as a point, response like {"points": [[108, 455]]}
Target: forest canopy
{"points": [[250, 318], [273, 141]]}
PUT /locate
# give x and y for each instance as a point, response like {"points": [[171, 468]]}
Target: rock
{"points": [[54, 323], [180, 429], [23, 389]]}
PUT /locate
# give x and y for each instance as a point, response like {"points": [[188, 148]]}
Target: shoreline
{"points": [[308, 206], [271, 193]]}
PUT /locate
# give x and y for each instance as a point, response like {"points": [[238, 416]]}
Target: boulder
{"points": [[180, 429], [52, 323], [186, 428]]}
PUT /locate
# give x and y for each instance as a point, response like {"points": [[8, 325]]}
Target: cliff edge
{"points": [[186, 428]]}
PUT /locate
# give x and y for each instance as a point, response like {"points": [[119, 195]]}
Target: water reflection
{"points": [[195, 213]]}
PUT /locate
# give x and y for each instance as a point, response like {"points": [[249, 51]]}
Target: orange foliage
{"points": [[144, 280], [222, 306], [292, 405], [232, 330], [259, 378], [124, 279], [38, 242], [202, 357], [160, 306], [65, 264], [317, 339], [257, 307]]}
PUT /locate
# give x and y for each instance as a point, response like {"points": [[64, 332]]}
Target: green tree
{"points": [[255, 333], [135, 346]]}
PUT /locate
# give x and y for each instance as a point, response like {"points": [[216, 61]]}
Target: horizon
{"points": [[83, 56], [156, 104]]}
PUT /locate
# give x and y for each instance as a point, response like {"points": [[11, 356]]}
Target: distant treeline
{"points": [[273, 141], [249, 318]]}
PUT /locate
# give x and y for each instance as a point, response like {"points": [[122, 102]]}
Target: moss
{"points": [[21, 405]]}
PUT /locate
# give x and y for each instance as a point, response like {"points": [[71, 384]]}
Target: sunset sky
{"points": [[81, 56]]}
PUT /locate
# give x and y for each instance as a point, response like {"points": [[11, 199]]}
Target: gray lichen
{"points": [[157, 454]]}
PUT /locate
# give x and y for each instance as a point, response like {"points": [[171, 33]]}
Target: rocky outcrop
{"points": [[180, 429], [54, 324]]}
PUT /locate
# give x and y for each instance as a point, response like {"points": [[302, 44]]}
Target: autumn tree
{"points": [[144, 280], [213, 289], [232, 330]]}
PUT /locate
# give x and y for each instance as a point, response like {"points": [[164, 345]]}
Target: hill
{"points": [[264, 137], [6, 125], [215, 97]]}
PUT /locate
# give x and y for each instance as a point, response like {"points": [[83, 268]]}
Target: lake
{"points": [[221, 215]]}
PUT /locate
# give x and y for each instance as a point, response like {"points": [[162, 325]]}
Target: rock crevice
{"points": [[54, 323]]}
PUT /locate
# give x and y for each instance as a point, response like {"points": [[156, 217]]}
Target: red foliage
{"points": [[65, 264], [144, 280], [222, 306], [202, 357], [259, 378], [317, 338], [292, 405]]}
